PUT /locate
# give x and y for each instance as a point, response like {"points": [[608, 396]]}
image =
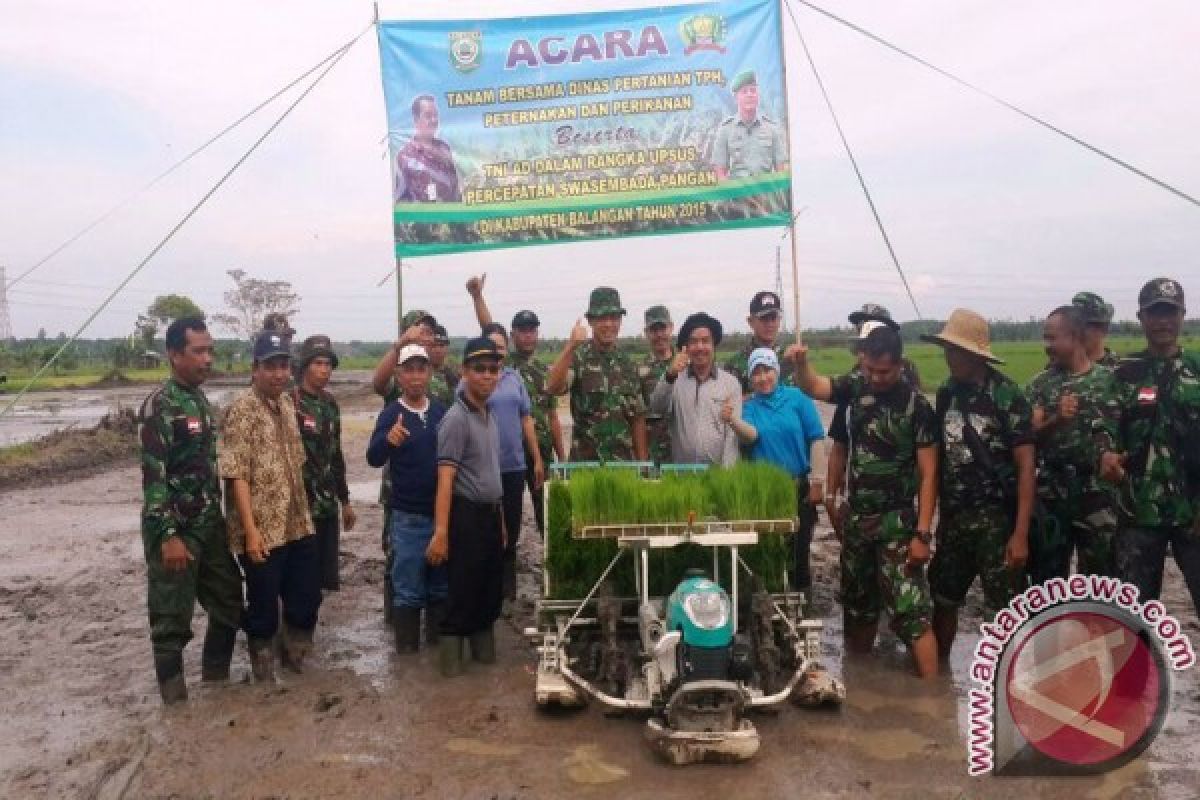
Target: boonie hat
{"points": [[411, 351], [604, 301], [657, 315], [316, 347], [1161, 291], [525, 319], [965, 330], [762, 357], [1092, 308], [269, 344], [478, 348], [765, 304]]}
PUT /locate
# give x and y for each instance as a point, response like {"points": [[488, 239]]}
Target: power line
{"points": [[854, 163], [192, 212], [1001, 101], [162, 175]]}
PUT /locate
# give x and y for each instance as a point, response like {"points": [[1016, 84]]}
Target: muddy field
{"points": [[80, 714]]}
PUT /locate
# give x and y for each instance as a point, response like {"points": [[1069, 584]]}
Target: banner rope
{"points": [[854, 163], [177, 165], [1001, 101], [330, 64]]}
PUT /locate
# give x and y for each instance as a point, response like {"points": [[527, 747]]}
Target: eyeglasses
{"points": [[491, 369]]}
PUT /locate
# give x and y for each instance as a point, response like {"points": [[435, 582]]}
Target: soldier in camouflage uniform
{"points": [[320, 423], [444, 377], [606, 399], [544, 406], [1157, 463], [650, 369], [766, 316], [183, 529], [892, 460], [416, 327], [986, 473], [1097, 316], [1076, 407]]}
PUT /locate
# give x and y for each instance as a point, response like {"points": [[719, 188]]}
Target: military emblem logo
{"points": [[1167, 288], [703, 32], [466, 48]]}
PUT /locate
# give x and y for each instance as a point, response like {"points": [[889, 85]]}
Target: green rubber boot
{"points": [[483, 646], [169, 671], [450, 656]]}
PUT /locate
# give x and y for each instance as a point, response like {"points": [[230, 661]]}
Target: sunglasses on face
{"points": [[491, 369]]}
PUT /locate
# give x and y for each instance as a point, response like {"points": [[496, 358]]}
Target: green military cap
{"points": [[743, 78], [604, 301], [872, 312], [657, 315], [416, 317], [1161, 291], [1092, 308]]}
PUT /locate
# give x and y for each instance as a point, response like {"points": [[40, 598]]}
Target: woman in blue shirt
{"points": [[779, 424]]}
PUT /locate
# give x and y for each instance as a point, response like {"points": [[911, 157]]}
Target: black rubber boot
{"points": [[450, 656], [434, 614], [509, 579], [483, 646], [297, 644], [407, 624], [262, 659], [218, 652], [169, 671]]}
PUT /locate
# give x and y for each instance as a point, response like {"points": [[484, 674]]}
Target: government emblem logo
{"points": [[466, 48], [703, 32]]}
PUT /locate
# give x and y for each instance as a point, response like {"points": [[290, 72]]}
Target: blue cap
{"points": [[269, 344], [763, 356]]}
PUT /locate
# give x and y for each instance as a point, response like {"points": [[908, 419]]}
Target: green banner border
{"points": [[414, 250], [433, 213]]}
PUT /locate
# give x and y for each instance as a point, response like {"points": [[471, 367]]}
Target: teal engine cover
{"points": [[700, 609]]}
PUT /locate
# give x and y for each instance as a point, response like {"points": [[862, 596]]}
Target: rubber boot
{"points": [[450, 656], [297, 644], [262, 659], [388, 592], [219, 641], [435, 612], [169, 671], [407, 624], [483, 646], [509, 578]]}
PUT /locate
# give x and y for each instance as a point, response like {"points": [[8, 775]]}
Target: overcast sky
{"points": [[985, 210]]}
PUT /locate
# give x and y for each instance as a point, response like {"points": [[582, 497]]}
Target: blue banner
{"points": [[537, 130]]}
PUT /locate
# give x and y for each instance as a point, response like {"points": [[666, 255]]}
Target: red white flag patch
{"points": [[310, 424], [194, 425], [1147, 395]]}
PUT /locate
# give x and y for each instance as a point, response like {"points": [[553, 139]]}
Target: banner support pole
{"points": [[792, 220], [399, 295]]}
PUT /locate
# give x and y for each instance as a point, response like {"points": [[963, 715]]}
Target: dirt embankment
{"points": [[71, 453]]}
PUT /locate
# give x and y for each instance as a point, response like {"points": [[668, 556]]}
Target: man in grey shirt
{"points": [[468, 526], [691, 394]]}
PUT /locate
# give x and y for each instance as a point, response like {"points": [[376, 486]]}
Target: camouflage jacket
{"points": [[1109, 359], [1159, 432], [1001, 419], [320, 423], [542, 404], [605, 397], [738, 366], [837, 426], [658, 431], [886, 429], [180, 485], [1069, 455], [442, 384]]}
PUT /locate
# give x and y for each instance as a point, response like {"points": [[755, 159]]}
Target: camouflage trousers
{"points": [[876, 576], [971, 544], [211, 577], [658, 439], [1141, 554], [1086, 524]]}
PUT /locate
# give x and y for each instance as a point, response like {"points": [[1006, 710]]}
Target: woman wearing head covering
{"points": [[779, 424]]}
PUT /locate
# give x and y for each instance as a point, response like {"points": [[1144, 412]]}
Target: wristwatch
{"points": [[926, 537]]}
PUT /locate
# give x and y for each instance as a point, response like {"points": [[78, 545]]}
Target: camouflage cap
{"points": [[604, 301], [439, 335], [743, 78], [316, 347], [277, 321], [873, 312], [1092, 308], [416, 317], [1161, 291], [657, 315]]}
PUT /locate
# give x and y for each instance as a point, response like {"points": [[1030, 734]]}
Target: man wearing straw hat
{"points": [[987, 477], [892, 463]]}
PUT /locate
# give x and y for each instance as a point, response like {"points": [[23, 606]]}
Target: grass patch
{"points": [[17, 453]]}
